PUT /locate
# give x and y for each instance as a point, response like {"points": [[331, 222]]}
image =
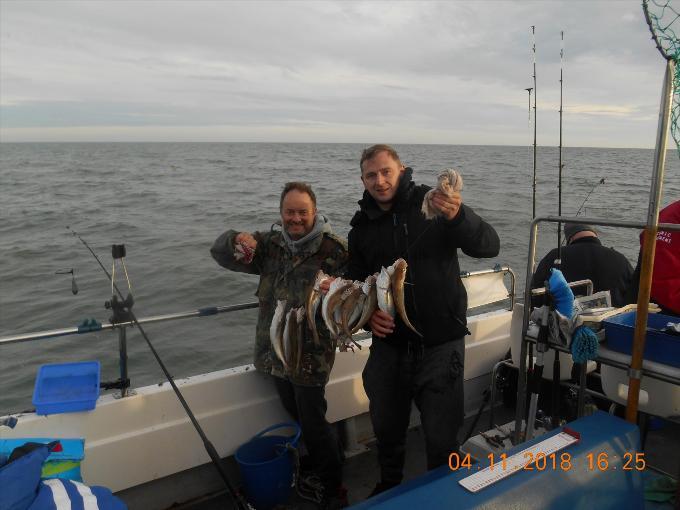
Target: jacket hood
{"points": [[310, 242]]}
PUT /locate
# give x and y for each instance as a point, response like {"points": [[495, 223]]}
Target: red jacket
{"points": [[666, 276]]}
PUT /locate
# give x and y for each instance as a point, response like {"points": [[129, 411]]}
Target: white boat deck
{"points": [[361, 471]]}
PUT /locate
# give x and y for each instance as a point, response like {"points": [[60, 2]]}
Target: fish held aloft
{"points": [[449, 182]]}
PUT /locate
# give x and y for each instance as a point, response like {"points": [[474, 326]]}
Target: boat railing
{"points": [[531, 262], [92, 326], [123, 384]]}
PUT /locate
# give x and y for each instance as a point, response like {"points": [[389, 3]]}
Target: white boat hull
{"points": [[148, 436]]}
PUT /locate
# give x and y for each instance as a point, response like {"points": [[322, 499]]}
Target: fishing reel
{"points": [[121, 308]]}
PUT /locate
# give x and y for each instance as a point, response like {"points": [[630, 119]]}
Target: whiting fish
{"points": [[344, 335], [300, 316], [397, 283], [370, 303], [350, 308], [356, 312], [276, 330], [348, 305], [384, 291], [331, 302], [289, 339], [312, 304]]}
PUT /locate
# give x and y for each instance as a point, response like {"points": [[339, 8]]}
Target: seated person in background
{"points": [[666, 276], [584, 258]]}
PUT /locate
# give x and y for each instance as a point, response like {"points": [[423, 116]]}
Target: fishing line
{"points": [[237, 499], [601, 181]]}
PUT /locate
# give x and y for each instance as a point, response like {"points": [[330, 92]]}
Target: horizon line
{"points": [[321, 143]]}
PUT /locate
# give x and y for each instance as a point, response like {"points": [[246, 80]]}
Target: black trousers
{"points": [[430, 376], [307, 405]]}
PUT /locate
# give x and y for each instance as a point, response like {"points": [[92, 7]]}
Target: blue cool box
{"points": [[66, 387], [660, 347]]}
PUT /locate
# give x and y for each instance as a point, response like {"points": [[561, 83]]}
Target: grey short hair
{"points": [[303, 187]]}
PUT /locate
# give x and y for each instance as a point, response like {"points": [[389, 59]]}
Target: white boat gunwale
{"points": [[146, 436]]}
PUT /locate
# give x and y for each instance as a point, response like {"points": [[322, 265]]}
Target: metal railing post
{"points": [[513, 297], [123, 360]]}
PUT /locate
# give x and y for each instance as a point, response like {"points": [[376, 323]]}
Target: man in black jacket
{"points": [[584, 258], [403, 367]]}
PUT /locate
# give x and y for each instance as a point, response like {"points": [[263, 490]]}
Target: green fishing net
{"points": [[664, 22]]}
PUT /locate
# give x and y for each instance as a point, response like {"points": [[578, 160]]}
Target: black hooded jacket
{"points": [[436, 301], [586, 258]]}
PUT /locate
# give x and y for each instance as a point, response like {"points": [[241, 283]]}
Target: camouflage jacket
{"points": [[284, 276]]}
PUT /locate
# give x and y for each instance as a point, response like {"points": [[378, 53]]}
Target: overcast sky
{"points": [[398, 72]]}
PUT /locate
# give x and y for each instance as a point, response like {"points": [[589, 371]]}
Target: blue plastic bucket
{"points": [[266, 466]]}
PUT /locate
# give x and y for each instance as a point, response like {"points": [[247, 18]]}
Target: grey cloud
{"points": [[434, 63]]}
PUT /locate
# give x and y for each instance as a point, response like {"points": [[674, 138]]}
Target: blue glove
{"points": [[584, 345], [561, 293]]}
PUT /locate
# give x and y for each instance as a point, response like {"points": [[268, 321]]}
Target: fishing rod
{"points": [[534, 387], [533, 198], [239, 502], [560, 165], [529, 89], [558, 262], [533, 49]]}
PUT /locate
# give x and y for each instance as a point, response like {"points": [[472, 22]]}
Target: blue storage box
{"points": [[64, 463], [660, 347], [66, 387]]}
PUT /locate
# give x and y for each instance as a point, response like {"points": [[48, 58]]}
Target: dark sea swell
{"points": [[168, 202]]}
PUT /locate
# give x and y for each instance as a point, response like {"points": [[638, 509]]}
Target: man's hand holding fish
{"points": [[447, 205]]}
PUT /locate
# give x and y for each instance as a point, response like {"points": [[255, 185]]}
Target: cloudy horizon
{"points": [[345, 72]]}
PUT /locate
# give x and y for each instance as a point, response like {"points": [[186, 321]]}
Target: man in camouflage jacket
{"points": [[287, 260]]}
